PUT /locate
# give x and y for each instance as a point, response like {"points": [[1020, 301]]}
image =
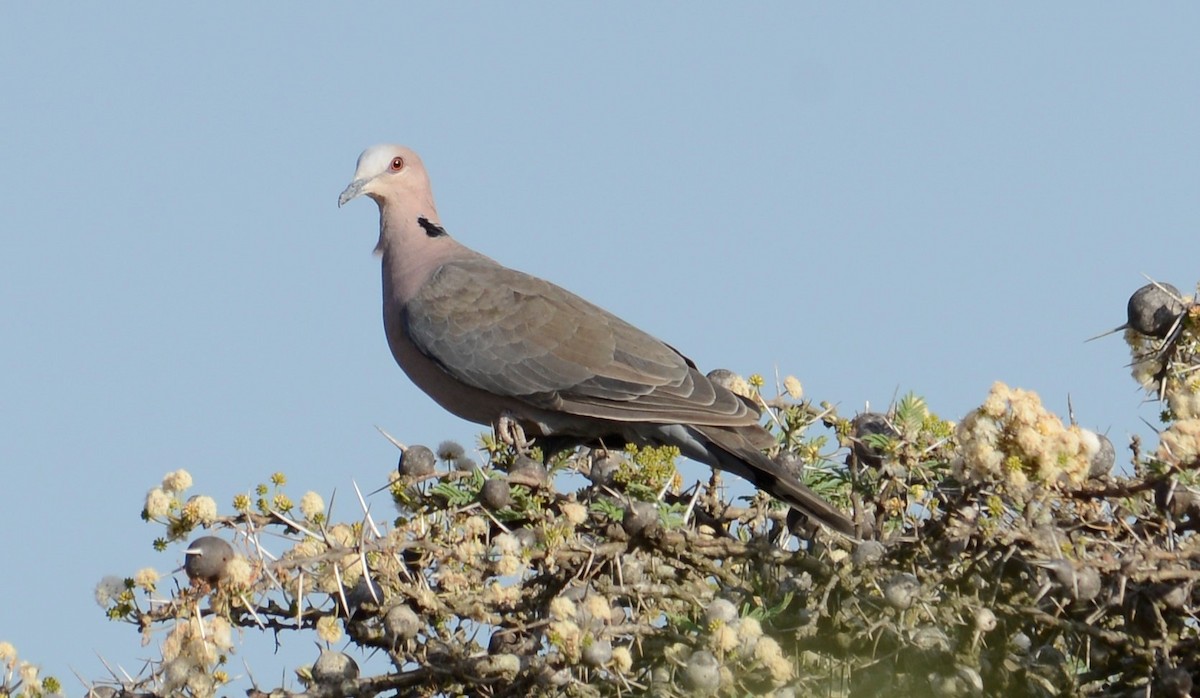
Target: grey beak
{"points": [[352, 191]]}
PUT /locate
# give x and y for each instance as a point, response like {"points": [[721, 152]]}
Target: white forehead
{"points": [[378, 158]]}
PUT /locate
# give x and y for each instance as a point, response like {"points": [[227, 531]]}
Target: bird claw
{"points": [[509, 432]]}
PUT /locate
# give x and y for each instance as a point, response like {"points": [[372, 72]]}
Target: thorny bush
{"points": [[1000, 555]]}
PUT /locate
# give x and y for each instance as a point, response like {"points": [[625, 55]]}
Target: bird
{"points": [[496, 346]]}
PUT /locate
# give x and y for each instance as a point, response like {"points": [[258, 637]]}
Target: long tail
{"points": [[734, 452]]}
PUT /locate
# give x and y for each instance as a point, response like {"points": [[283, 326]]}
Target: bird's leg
{"points": [[509, 431]]}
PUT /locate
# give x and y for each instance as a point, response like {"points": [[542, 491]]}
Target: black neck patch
{"points": [[432, 229]]}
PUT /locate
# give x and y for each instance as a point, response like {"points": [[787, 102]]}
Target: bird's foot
{"points": [[509, 432]]}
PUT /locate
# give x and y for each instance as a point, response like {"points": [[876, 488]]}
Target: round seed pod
{"points": [[702, 673], [416, 461], [720, 610], [496, 494], [901, 590], [401, 622], [869, 424], [364, 591], [867, 553], [1104, 459], [640, 517], [1152, 309], [603, 470], [526, 468], [731, 381], [207, 558], [598, 653], [334, 667]]}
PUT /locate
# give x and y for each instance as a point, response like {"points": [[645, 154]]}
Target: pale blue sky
{"points": [[876, 198]]}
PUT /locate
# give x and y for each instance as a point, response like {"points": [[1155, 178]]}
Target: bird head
{"points": [[389, 173]]}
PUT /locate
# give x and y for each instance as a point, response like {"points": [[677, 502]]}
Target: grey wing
{"points": [[515, 335]]}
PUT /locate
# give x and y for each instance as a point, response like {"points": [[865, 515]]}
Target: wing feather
{"points": [[515, 335]]}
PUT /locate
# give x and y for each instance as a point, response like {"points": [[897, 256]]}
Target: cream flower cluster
{"points": [[743, 638], [191, 651], [1181, 442], [576, 626], [1011, 438], [162, 499], [25, 671]]}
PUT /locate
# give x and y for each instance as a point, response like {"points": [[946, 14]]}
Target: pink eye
{"points": [[397, 164]]}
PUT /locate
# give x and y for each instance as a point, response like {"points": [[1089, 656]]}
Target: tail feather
{"points": [[735, 452]]}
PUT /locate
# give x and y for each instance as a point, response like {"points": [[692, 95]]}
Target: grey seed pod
{"points": [[502, 642], [416, 461], [526, 468], [598, 653], [720, 610], [511, 642], [401, 622], [867, 553], [603, 470], [334, 667], [1172, 596], [1104, 459], [363, 591], [901, 590], [527, 536], [702, 673], [1020, 643], [1152, 309], [207, 558], [731, 381], [791, 462], [496, 494], [639, 518], [870, 424]]}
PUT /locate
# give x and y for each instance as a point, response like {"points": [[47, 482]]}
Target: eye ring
{"points": [[397, 164]]}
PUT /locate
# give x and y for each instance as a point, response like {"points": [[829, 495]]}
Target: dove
{"points": [[498, 347]]}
